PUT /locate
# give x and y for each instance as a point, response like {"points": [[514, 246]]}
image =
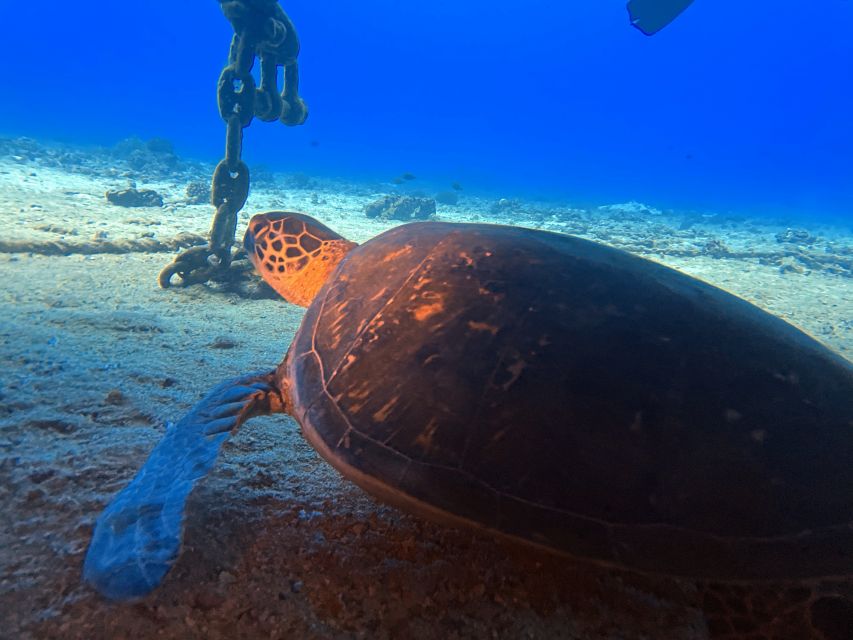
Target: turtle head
{"points": [[294, 253]]}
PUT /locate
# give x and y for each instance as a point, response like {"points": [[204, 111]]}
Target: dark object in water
{"points": [[406, 208], [135, 198], [456, 186], [650, 16], [546, 388], [403, 178]]}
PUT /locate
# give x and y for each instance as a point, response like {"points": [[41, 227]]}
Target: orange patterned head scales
{"points": [[294, 253]]}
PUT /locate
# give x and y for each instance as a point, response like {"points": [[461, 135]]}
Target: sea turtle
{"points": [[544, 387]]}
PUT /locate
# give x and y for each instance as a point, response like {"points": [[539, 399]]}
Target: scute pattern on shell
{"points": [[581, 398]]}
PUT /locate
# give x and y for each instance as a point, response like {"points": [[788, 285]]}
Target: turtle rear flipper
{"points": [[137, 538]]}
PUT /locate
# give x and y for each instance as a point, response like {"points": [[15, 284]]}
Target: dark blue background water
{"points": [[736, 106]]}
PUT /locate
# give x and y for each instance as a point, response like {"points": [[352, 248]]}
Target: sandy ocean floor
{"points": [[96, 358]]}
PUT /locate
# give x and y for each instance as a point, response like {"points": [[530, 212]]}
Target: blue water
{"points": [[735, 106]]}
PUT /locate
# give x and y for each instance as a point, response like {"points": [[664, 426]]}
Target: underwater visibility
{"points": [[529, 322]]}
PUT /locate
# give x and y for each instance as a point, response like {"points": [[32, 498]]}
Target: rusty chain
{"points": [[263, 30]]}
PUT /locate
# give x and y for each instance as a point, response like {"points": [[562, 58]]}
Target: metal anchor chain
{"points": [[263, 30]]}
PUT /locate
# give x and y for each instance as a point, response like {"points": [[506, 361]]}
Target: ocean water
{"points": [[721, 146], [734, 107]]}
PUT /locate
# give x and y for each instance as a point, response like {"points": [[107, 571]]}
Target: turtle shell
{"points": [[579, 398]]}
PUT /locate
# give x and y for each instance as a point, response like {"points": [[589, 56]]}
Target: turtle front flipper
{"points": [[137, 538]]}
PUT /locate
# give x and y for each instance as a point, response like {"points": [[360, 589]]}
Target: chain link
{"points": [[261, 30]]}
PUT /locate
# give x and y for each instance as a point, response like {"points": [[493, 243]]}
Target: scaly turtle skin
{"points": [[549, 389]]}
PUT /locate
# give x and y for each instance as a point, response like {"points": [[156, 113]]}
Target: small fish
{"points": [[456, 186]]}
